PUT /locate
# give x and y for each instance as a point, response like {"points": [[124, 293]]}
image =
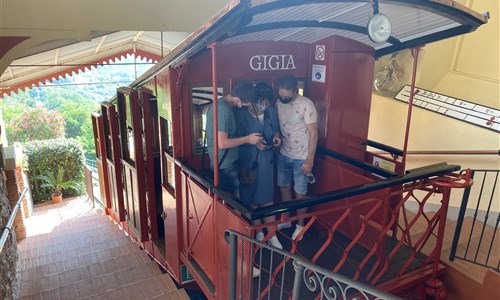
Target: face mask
{"points": [[285, 100], [261, 107]]}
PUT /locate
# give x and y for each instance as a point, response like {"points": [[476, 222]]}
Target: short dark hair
{"points": [[287, 82], [263, 91], [244, 90]]}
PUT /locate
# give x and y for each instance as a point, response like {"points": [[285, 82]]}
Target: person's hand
{"points": [[276, 141], [254, 138], [307, 166], [261, 146]]}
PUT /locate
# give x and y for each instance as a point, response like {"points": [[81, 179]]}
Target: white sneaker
{"points": [[284, 225], [273, 241], [298, 230], [259, 236], [255, 272]]}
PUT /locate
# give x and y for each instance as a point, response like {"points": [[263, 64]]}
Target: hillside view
{"points": [[62, 108]]}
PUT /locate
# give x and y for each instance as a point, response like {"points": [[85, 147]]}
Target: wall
{"points": [[9, 259], [465, 67]]}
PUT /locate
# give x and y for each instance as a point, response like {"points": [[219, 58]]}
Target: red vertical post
{"points": [[215, 106], [415, 52]]}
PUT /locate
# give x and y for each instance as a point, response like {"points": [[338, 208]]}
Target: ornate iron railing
{"points": [[371, 238], [308, 279]]}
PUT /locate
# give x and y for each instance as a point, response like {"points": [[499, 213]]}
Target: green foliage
{"points": [[36, 124], [75, 98], [76, 112], [50, 155], [57, 182]]}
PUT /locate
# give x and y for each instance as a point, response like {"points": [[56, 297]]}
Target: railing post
{"points": [[232, 264], [460, 220], [297, 280]]}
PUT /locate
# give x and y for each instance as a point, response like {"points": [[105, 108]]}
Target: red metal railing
{"points": [[373, 237]]}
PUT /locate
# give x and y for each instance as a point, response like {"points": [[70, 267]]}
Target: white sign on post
{"points": [[318, 73]]}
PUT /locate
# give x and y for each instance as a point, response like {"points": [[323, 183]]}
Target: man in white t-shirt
{"points": [[299, 135]]}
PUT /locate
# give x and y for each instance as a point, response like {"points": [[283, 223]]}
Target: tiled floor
{"points": [[73, 251]]}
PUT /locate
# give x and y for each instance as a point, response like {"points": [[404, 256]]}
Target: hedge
{"points": [[44, 155]]}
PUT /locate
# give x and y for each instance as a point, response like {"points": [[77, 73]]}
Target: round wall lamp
{"points": [[379, 28]]}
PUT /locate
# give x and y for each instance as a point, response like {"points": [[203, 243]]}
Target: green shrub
{"points": [[36, 124], [48, 156]]}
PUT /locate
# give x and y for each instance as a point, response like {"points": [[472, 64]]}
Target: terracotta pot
{"points": [[56, 198]]}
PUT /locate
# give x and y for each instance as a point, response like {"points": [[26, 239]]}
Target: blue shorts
{"points": [[290, 173]]}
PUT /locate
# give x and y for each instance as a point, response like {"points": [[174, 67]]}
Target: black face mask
{"points": [[285, 100]]}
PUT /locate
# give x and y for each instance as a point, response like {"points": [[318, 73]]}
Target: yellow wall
{"points": [[466, 67]]}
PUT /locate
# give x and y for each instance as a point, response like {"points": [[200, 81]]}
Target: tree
{"points": [[36, 124]]}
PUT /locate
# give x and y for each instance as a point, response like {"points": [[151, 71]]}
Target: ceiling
{"points": [[57, 58], [51, 38]]}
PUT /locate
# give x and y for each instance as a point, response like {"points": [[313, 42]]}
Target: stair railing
{"points": [[320, 281], [7, 230], [479, 244]]}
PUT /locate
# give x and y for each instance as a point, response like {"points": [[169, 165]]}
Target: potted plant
{"points": [[57, 183]]}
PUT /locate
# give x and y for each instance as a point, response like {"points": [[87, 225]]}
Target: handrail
{"points": [[449, 152], [455, 152], [357, 163], [384, 147], [8, 227], [258, 213], [302, 269]]}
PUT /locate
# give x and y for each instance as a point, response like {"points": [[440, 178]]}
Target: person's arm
{"points": [[226, 143], [273, 117], [313, 143]]}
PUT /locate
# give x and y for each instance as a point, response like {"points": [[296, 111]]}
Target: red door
{"points": [[101, 162], [113, 160], [133, 160]]}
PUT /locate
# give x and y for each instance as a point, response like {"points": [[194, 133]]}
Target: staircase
{"points": [[73, 252]]}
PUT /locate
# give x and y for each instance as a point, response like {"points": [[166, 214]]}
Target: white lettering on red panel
{"points": [[272, 62]]}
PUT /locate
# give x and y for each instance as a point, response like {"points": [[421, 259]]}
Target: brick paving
{"points": [[73, 251]]}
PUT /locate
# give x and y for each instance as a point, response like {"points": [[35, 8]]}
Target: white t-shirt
{"points": [[294, 117]]}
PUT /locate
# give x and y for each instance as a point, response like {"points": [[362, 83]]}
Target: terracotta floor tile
{"points": [[111, 281], [150, 288], [27, 288], [52, 294], [117, 294], [165, 283], [48, 282], [134, 291], [75, 252], [68, 291], [71, 263], [108, 266], [104, 254]]}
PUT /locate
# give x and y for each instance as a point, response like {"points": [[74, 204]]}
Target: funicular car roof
{"points": [[414, 23]]}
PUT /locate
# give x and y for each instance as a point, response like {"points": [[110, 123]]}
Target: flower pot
{"points": [[56, 198]]}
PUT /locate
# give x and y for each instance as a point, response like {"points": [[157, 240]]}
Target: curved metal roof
{"points": [[414, 23], [60, 60]]}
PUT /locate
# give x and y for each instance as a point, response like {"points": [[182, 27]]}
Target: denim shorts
{"points": [[290, 173]]}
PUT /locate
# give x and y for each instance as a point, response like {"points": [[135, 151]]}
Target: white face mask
{"points": [[261, 107]]}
